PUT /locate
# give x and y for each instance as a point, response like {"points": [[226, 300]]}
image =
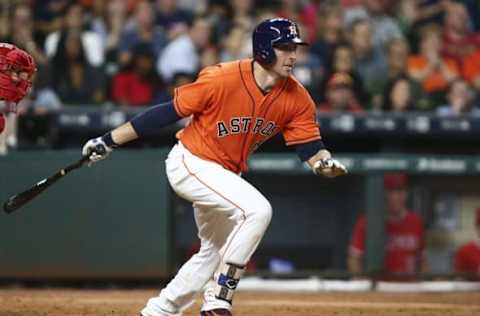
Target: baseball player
{"points": [[17, 68], [404, 235], [467, 256], [235, 107]]}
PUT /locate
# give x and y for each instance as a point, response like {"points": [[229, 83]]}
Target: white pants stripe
{"points": [[231, 216]]}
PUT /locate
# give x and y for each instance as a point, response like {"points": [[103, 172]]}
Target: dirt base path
{"points": [[68, 302]]}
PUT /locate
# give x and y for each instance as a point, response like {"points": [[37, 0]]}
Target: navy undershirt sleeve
{"points": [[307, 150], [152, 120]]}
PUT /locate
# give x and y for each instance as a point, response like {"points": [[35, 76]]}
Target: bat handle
{"points": [[75, 165]]}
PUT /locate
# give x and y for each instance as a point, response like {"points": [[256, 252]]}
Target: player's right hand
{"points": [[96, 149], [329, 168]]}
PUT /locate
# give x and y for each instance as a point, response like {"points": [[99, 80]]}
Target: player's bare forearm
{"points": [[124, 134]]}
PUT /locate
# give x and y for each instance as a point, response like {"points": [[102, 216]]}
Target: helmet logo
{"points": [[293, 30]]}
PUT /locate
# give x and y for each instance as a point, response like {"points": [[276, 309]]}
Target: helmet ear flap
{"points": [[262, 48]]}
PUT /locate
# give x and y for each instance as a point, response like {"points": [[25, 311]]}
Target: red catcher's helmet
{"points": [[17, 68]]}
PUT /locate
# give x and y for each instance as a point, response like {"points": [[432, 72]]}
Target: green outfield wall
{"points": [[111, 220]]}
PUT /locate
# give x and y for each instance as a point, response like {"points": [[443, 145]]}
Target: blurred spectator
{"points": [[473, 8], [412, 15], [348, 4], [178, 79], [195, 6], [308, 70], [141, 29], [384, 28], [458, 39], [397, 52], [304, 12], [432, 70], [42, 99], [20, 31], [340, 97], [343, 63], [138, 84], [107, 22], [73, 23], [237, 43], [397, 56], [218, 14], [467, 256], [74, 79], [460, 100], [330, 32], [407, 14], [404, 234], [183, 53], [369, 60], [471, 71], [48, 16], [173, 20], [36, 126], [242, 12], [209, 56], [401, 95]]}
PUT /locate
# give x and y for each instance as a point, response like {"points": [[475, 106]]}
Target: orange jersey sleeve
{"points": [[303, 126], [197, 96]]}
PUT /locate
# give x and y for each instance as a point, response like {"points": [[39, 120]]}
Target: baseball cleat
{"points": [[216, 312]]}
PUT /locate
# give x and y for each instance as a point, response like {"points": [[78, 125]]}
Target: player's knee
{"points": [[263, 215]]}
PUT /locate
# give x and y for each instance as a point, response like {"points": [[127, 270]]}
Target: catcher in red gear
{"points": [[17, 68]]}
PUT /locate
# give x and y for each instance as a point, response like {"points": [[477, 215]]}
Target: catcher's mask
{"points": [[17, 68]]}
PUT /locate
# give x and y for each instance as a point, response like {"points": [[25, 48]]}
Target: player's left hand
{"points": [[329, 167], [96, 149]]}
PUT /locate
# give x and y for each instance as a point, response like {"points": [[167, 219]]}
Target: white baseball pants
{"points": [[231, 216]]}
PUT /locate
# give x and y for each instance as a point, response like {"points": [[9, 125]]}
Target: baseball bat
{"points": [[20, 199]]}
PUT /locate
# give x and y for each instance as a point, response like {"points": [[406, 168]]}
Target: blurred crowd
{"points": [[364, 55]]}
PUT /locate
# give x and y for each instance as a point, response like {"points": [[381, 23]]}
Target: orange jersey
{"points": [[436, 81], [231, 117]]}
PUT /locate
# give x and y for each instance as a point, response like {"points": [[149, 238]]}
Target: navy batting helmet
{"points": [[270, 33]]}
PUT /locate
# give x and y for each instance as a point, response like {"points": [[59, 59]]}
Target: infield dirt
{"points": [[79, 302]]}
